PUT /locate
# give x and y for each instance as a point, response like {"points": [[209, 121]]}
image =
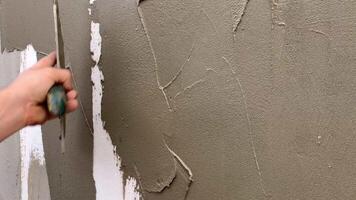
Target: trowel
{"points": [[56, 97]]}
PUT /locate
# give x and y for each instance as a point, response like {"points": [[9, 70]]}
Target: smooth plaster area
{"points": [[206, 99]]}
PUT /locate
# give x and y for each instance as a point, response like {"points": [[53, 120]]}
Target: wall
{"points": [[201, 99], [10, 169], [23, 168]]}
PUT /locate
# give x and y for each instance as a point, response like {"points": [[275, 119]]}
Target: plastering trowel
{"points": [[56, 97]]}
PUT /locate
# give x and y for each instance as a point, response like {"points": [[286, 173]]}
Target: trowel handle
{"points": [[57, 100]]}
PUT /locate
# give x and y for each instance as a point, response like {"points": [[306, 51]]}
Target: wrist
{"points": [[11, 115]]}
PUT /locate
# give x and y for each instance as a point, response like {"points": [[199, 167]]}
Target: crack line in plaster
{"points": [[252, 144], [184, 166], [160, 87], [81, 104], [320, 32], [210, 21], [181, 68], [189, 87], [274, 17], [238, 14], [139, 178], [194, 83]]}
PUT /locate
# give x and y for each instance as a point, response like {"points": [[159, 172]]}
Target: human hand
{"points": [[26, 96]]}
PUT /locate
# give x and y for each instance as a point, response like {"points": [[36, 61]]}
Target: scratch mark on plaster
{"points": [[276, 19], [109, 179], [327, 37], [81, 104], [139, 2], [210, 21], [184, 166], [139, 178], [252, 144], [188, 170], [160, 87], [238, 11], [181, 68], [189, 87], [320, 32]]}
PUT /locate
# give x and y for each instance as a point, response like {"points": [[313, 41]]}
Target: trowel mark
{"points": [[238, 11], [184, 166], [252, 144]]}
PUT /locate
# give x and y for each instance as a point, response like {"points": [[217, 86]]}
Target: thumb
{"points": [[62, 76], [47, 61]]}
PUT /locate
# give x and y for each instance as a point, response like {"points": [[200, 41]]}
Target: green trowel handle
{"points": [[57, 100]]}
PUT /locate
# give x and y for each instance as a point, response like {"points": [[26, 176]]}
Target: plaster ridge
{"points": [[81, 105], [238, 15], [252, 143], [210, 21], [184, 166], [165, 185], [189, 87], [181, 68], [202, 80], [160, 87]]}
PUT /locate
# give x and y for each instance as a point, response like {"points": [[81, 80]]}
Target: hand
{"points": [[26, 96]]}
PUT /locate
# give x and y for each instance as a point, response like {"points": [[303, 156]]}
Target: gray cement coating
{"points": [[263, 108], [256, 98], [10, 159]]}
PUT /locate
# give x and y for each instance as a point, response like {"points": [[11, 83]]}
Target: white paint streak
{"points": [[109, 180], [30, 137]]}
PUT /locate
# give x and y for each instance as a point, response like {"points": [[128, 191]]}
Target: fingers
{"points": [[72, 105], [72, 102], [72, 95], [62, 76], [48, 61]]}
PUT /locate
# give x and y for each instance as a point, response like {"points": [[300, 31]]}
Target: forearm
{"points": [[11, 115]]}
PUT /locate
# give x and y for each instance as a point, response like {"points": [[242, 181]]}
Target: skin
{"points": [[23, 101]]}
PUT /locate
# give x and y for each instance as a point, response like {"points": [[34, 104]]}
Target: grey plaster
{"points": [[10, 158], [256, 97]]}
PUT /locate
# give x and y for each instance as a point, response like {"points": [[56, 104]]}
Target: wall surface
{"points": [[202, 99], [10, 158], [22, 168]]}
